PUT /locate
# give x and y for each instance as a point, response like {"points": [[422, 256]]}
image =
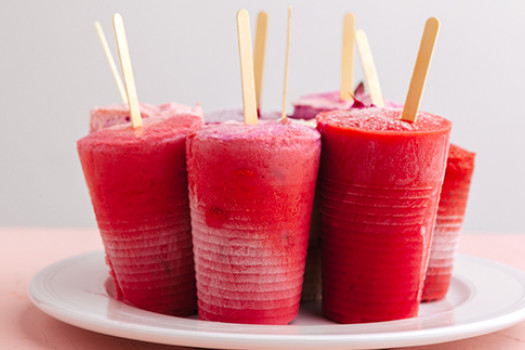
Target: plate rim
{"points": [[190, 337]]}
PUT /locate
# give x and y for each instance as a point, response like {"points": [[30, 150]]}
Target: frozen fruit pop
{"points": [[449, 220], [312, 279], [251, 190], [138, 188], [104, 117], [379, 185]]}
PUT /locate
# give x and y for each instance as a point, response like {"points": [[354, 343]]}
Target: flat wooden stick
{"points": [[127, 71], [258, 54], [347, 60], [419, 76], [111, 62], [247, 78], [285, 89], [369, 67]]}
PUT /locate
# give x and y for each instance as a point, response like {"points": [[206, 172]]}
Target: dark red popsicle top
{"points": [[383, 120], [387, 149]]}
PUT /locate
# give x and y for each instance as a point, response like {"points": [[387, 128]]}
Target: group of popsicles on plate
{"points": [[223, 216]]}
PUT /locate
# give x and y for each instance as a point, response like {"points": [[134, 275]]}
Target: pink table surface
{"points": [[25, 251]]}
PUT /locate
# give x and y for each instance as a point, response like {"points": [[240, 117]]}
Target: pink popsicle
{"points": [[309, 106], [138, 188], [251, 191], [379, 184]]}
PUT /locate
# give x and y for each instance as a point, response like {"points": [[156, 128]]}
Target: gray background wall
{"points": [[52, 71]]}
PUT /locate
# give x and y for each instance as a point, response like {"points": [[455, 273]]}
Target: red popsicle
{"points": [[449, 220], [251, 190], [379, 185], [138, 188]]}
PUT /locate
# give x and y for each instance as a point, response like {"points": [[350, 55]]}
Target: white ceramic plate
{"points": [[484, 297]]}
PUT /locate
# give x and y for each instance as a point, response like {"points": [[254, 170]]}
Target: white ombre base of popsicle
{"points": [[444, 247], [239, 279], [152, 267]]}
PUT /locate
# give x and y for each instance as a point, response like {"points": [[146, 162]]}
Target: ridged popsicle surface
{"points": [[251, 193], [379, 186]]}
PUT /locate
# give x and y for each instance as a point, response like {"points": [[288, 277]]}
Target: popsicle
{"points": [[251, 190], [136, 176], [449, 221], [379, 183], [138, 188], [104, 117]]}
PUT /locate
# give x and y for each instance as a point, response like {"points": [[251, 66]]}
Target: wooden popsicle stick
{"points": [[347, 60], [258, 54], [127, 71], [111, 62], [285, 90], [247, 78], [419, 76], [369, 67]]}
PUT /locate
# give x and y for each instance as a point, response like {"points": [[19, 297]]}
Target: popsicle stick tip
{"points": [[433, 21], [262, 15], [243, 14], [349, 17]]}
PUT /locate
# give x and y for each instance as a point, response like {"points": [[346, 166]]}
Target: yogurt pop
{"points": [[138, 188], [449, 220], [379, 185], [251, 190]]}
